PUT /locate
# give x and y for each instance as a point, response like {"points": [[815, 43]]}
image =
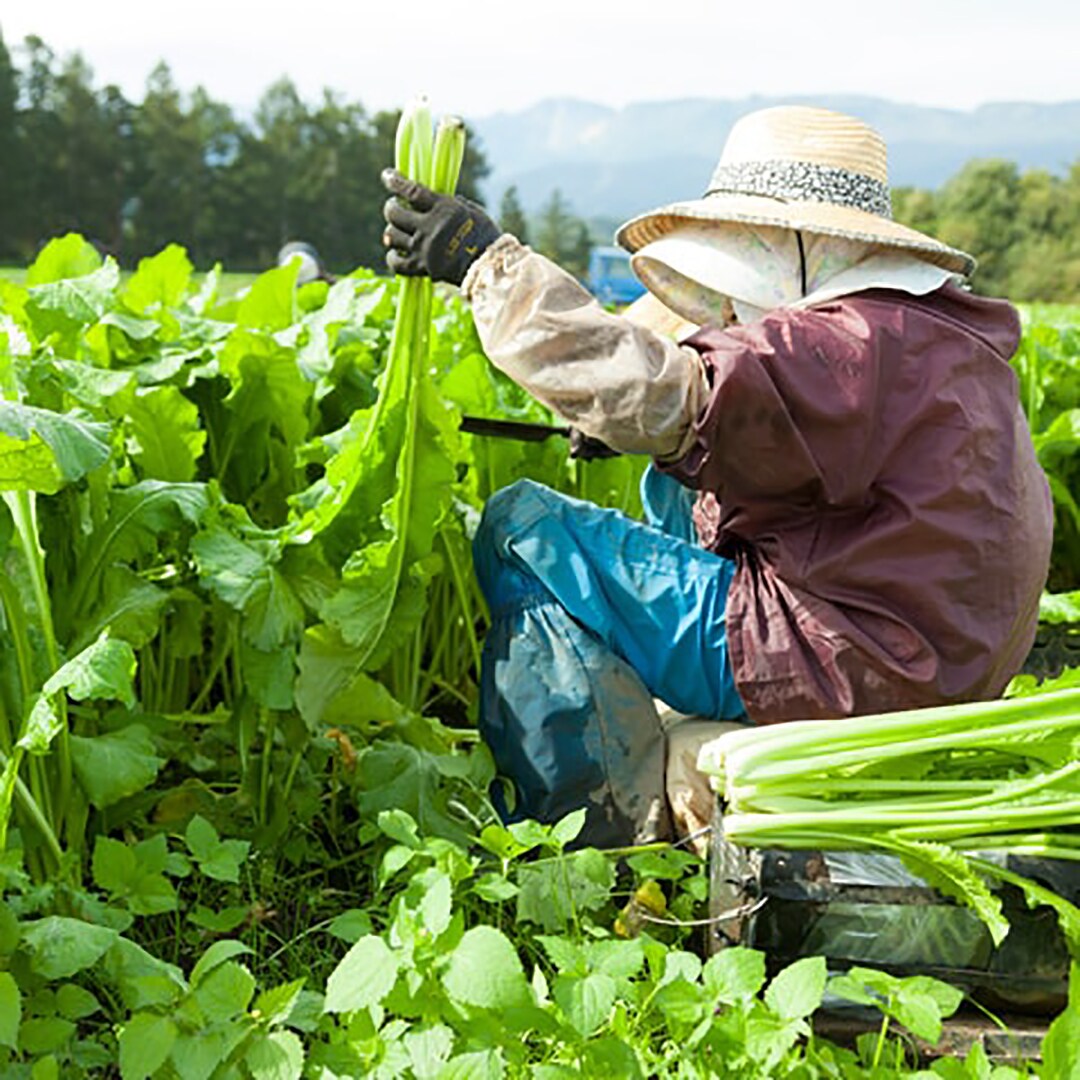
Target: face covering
{"points": [[695, 269]]}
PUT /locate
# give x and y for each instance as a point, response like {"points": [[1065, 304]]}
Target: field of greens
{"points": [[244, 815]]}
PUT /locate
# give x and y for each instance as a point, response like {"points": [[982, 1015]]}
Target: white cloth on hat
{"points": [[696, 269]]}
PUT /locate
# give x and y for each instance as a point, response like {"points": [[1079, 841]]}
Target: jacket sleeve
{"points": [[635, 390]]}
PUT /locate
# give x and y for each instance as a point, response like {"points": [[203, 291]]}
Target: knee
{"points": [[507, 513]]}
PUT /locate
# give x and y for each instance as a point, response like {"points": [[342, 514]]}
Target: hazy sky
{"points": [[477, 57]]}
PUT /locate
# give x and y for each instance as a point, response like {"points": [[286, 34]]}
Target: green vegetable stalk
{"points": [[930, 785]]}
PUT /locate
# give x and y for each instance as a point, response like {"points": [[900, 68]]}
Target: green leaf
{"points": [[350, 925], [365, 975], [161, 280], [952, 874], [429, 1049], [278, 1055], [226, 991], [113, 864], [112, 766], [217, 954], [10, 1010], [796, 992], [41, 727], [42, 450], [142, 980], [43, 1035], [145, 1042], [273, 1006], [135, 874], [244, 575], [1061, 1045], [485, 970], [68, 256], [477, 1065], [217, 858], [60, 946], [586, 1002], [104, 670], [166, 439], [734, 974], [269, 304], [75, 1003]]}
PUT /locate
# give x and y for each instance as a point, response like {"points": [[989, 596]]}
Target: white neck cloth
{"points": [[695, 270]]}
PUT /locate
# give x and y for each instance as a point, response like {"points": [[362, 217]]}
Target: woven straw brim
{"points": [[813, 217]]}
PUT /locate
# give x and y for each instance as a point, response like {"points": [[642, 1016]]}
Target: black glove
{"points": [[440, 236], [586, 448]]}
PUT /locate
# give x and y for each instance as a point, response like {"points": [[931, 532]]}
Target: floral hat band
{"points": [[803, 181], [801, 168]]}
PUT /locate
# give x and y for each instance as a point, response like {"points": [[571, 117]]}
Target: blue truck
{"points": [[610, 278]]}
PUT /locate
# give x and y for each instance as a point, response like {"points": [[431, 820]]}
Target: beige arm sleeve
{"points": [[635, 390]]}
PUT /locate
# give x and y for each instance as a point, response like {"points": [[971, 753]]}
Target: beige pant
{"points": [[691, 798]]}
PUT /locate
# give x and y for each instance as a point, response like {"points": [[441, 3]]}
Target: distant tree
{"points": [[979, 211], [915, 208], [512, 215], [561, 236], [10, 169]]}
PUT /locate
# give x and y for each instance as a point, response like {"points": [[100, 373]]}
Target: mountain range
{"points": [[612, 163]]}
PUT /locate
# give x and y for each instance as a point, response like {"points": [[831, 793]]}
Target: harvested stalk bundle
{"points": [[934, 786]]}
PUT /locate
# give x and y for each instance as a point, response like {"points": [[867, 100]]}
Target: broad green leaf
{"points": [[42, 450], [437, 902], [103, 671], [135, 874], [948, 871], [796, 992], [130, 609], [270, 302], [75, 1003], [365, 975], [10, 1010], [226, 991], [40, 1035], [429, 1048], [245, 575], [585, 1001], [485, 971], [734, 974], [475, 1065], [273, 1006], [68, 256], [67, 307], [165, 435], [59, 946], [143, 981], [1061, 1045], [112, 766], [278, 1055], [350, 925], [216, 955], [145, 1042], [113, 864], [217, 858], [41, 727], [161, 280]]}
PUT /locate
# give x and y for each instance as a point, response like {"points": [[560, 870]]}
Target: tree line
{"points": [[185, 168]]}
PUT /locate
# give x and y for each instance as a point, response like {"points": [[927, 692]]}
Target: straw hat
{"points": [[800, 168]]}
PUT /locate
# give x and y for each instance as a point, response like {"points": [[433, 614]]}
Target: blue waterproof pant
{"points": [[593, 615]]}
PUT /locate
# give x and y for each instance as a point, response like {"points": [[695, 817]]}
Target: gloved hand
{"points": [[440, 236], [585, 448]]}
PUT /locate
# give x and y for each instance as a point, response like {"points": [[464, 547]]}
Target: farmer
{"points": [[871, 529]]}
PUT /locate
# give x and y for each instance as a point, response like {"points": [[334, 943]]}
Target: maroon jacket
{"points": [[866, 464]]}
